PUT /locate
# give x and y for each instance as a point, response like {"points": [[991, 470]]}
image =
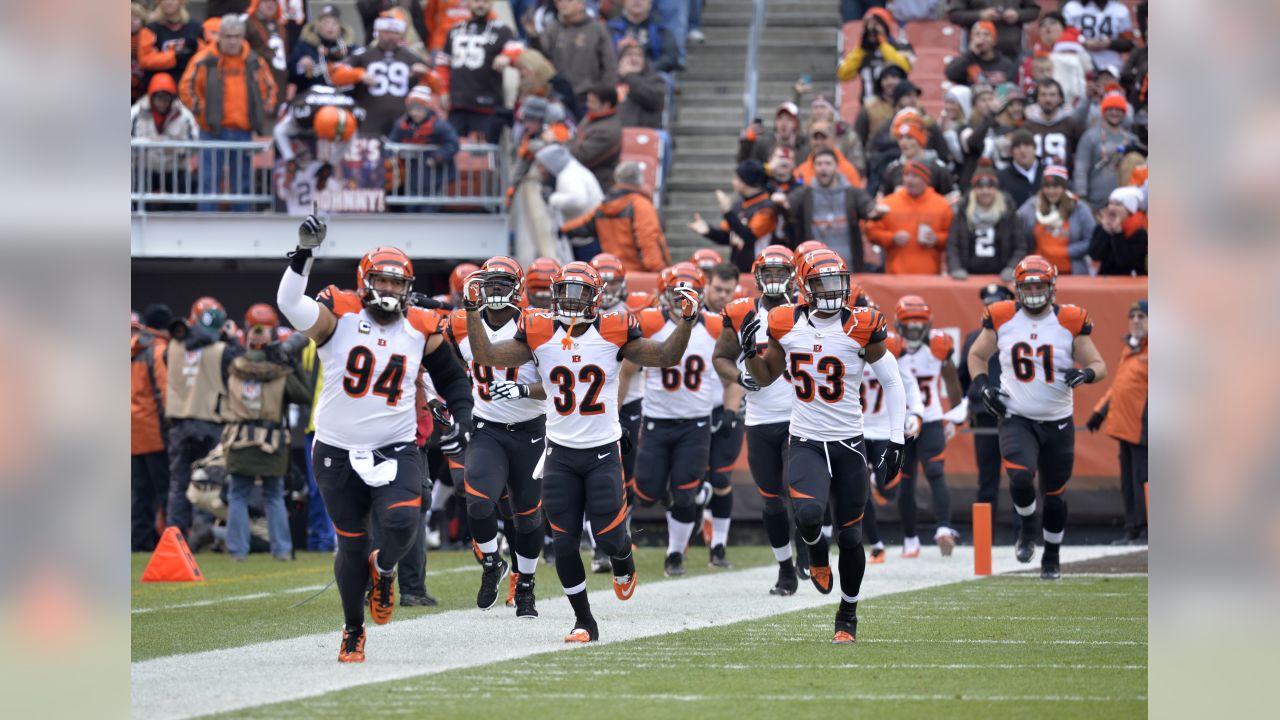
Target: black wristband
{"points": [[1090, 375], [298, 260]]}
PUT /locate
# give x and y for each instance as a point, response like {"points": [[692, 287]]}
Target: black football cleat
{"points": [[673, 566], [495, 570], [846, 628], [1024, 548], [526, 606], [717, 558], [787, 583], [424, 600], [1049, 566]]}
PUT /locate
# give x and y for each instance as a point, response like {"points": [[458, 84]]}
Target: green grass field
{"points": [[1007, 646]]}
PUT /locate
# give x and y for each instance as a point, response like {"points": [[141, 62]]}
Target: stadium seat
{"points": [[644, 145], [938, 34]]}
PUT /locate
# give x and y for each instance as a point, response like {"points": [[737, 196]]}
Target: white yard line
{"points": [[182, 686], [260, 595]]}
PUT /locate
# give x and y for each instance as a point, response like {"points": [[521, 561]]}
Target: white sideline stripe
{"points": [[893, 666], [183, 686], [884, 697], [260, 595]]}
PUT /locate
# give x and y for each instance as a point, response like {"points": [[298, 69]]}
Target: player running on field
{"points": [[677, 412], [768, 415], [822, 344], [926, 359], [507, 443], [371, 347], [1038, 343], [579, 352]]}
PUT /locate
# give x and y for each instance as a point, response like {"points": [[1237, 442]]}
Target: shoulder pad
{"points": [[340, 302], [651, 321], [866, 326], [714, 323], [424, 321], [940, 344], [998, 313], [1076, 319], [735, 313]]}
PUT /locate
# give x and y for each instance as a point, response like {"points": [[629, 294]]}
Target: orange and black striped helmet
{"points": [[706, 258], [261, 314], [1034, 281], [805, 248], [823, 279], [614, 275], [774, 270], [576, 292], [537, 282], [683, 274], [458, 278], [638, 300], [503, 284], [914, 319], [388, 262]]}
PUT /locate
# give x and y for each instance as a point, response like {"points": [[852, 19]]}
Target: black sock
{"points": [[787, 564], [853, 566], [624, 565], [351, 571], [848, 608], [819, 552], [581, 606]]}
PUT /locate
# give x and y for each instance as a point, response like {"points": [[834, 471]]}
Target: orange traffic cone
{"points": [[172, 561]]}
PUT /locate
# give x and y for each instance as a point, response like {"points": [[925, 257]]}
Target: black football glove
{"points": [[748, 382], [890, 460], [1076, 377], [624, 443], [311, 232], [991, 398], [1094, 422], [747, 336]]}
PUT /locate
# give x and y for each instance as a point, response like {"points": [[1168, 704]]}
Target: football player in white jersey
{"points": [[677, 412], [504, 449], [768, 413], [875, 433], [579, 351], [726, 426], [1038, 343], [371, 347], [822, 344], [926, 358]]}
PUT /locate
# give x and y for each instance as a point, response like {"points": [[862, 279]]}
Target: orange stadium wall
{"points": [[957, 310]]}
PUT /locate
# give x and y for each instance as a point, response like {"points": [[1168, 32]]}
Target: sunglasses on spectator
{"points": [[986, 184]]}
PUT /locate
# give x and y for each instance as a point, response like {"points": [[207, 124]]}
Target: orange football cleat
{"points": [[511, 591], [842, 638], [877, 556], [624, 587], [578, 636], [382, 600], [351, 650], [821, 577]]}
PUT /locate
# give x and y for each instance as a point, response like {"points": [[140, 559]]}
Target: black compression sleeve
{"points": [[451, 382]]}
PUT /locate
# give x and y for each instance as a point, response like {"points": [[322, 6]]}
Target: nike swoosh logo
{"points": [[1063, 426], [601, 457], [535, 440], [398, 448], [702, 424]]}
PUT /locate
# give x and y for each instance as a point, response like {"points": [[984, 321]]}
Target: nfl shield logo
{"points": [[252, 390]]}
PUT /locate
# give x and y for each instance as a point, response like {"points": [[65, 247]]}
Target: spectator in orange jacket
{"points": [[626, 223], [230, 90], [914, 232], [1122, 414], [822, 135], [149, 460], [170, 40]]}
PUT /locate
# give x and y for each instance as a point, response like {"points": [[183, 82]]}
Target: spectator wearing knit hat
{"points": [[748, 219], [1119, 244], [429, 173], [1101, 149], [322, 41], [913, 233], [981, 62], [985, 238], [267, 36], [911, 136], [847, 141], [1021, 178], [161, 116], [758, 143], [1007, 18], [1058, 225], [879, 46], [884, 147]]}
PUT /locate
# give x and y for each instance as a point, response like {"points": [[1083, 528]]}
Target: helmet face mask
{"points": [[1034, 293], [615, 289], [828, 291], [386, 289], [499, 290], [914, 332], [1034, 280], [572, 300], [774, 279]]}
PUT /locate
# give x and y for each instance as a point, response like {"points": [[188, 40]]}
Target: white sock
{"points": [[1026, 511], [720, 531], [526, 566], [878, 546], [911, 543], [586, 530], [439, 494], [488, 546], [826, 531], [678, 534], [783, 553]]}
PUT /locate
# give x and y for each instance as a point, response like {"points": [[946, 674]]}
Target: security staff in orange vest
{"points": [[1122, 414]]}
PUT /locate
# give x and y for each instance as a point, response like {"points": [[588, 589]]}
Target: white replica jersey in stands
{"points": [[1109, 22], [635, 389], [925, 363], [367, 401], [772, 403], [1035, 354], [580, 374], [486, 408], [875, 414], [823, 360], [684, 390]]}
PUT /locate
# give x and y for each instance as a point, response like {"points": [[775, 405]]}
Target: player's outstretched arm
{"points": [[649, 353], [308, 316], [767, 368]]}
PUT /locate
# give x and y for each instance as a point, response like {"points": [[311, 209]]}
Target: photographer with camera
{"points": [[878, 47]]}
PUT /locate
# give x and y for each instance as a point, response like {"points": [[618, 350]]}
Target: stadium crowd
{"points": [[1040, 149]]}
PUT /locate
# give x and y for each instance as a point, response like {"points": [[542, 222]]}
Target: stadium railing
{"points": [[416, 182]]}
